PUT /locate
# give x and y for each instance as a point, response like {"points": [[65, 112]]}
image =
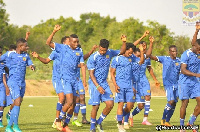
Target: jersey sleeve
{"points": [[161, 59], [91, 63], [58, 47], [29, 61], [114, 62], [81, 59], [149, 62], [3, 57], [184, 58], [114, 52], [52, 56]]}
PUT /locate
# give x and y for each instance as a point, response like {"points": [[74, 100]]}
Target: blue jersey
{"points": [[5, 58], [171, 70], [17, 66], [56, 65], [135, 69], [123, 66], [193, 63], [100, 64], [2, 71], [70, 60], [147, 62]]}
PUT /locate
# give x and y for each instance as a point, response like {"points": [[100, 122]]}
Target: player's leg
{"points": [[76, 111], [83, 109], [184, 104], [94, 111], [120, 117], [2, 103], [10, 103]]}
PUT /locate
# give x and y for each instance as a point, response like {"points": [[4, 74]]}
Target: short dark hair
{"points": [[172, 46], [73, 36], [198, 41], [63, 39], [12, 47], [137, 50], [20, 41], [130, 45], [104, 43], [141, 42], [79, 45]]}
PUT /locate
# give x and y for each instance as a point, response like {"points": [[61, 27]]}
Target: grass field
{"points": [[39, 118]]}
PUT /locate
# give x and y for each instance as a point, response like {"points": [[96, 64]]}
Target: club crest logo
{"points": [[107, 56], [77, 54], [199, 57], [133, 97], [2, 63], [177, 63], [148, 91], [142, 97], [129, 60], [191, 12], [111, 96], [81, 90], [24, 58]]}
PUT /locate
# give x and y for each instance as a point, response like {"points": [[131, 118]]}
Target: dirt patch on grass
{"points": [[45, 88]]}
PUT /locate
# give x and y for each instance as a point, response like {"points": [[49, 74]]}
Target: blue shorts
{"points": [[70, 86], [139, 95], [80, 87], [2, 95], [15, 89], [145, 86], [96, 97], [171, 93], [23, 88], [189, 90], [57, 84], [9, 100], [125, 95]]}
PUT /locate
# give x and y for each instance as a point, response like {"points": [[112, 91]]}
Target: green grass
{"points": [[40, 117]]}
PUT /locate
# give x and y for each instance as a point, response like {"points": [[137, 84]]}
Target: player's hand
{"points": [[27, 34], [123, 38], [94, 47], [34, 54], [7, 92], [117, 88], [146, 33], [101, 90], [198, 26], [197, 75], [141, 48], [151, 39], [56, 28], [157, 83], [32, 67], [134, 91]]}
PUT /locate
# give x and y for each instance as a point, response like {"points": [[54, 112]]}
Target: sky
{"points": [[167, 12]]}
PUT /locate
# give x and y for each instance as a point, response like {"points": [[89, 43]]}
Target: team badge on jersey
{"points": [[24, 58], [111, 96], [142, 97], [81, 90], [129, 60], [199, 57], [77, 54], [148, 91], [133, 97], [107, 56], [2, 63], [177, 63], [4, 102]]}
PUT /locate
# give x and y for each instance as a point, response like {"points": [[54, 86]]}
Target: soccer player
{"points": [[98, 66], [17, 70], [80, 100], [71, 55], [122, 65], [171, 70]]}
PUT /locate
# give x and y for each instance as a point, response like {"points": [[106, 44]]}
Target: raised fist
{"points": [[123, 38], [56, 28], [151, 39]]}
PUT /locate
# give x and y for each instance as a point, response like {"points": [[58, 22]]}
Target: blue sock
{"points": [[119, 117], [124, 113], [11, 118], [126, 117], [68, 117], [166, 110], [83, 108], [62, 114], [16, 110], [59, 106], [170, 113], [136, 111], [9, 112], [77, 108], [146, 107], [182, 122], [101, 118], [92, 123], [192, 119], [1, 116]]}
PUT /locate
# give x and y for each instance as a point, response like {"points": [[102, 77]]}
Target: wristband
{"points": [[97, 86]]}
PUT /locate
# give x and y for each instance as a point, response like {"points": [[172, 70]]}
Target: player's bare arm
{"points": [[157, 83], [149, 51], [187, 72], [43, 60], [83, 70], [27, 36], [196, 33], [5, 84], [49, 40], [112, 73], [141, 55], [153, 57], [123, 47], [86, 56], [93, 78], [146, 33]]}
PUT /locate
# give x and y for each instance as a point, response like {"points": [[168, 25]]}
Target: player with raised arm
{"points": [[171, 71], [98, 66], [71, 55], [17, 70]]}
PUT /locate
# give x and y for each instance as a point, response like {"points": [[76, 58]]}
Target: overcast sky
{"points": [[31, 12]]}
